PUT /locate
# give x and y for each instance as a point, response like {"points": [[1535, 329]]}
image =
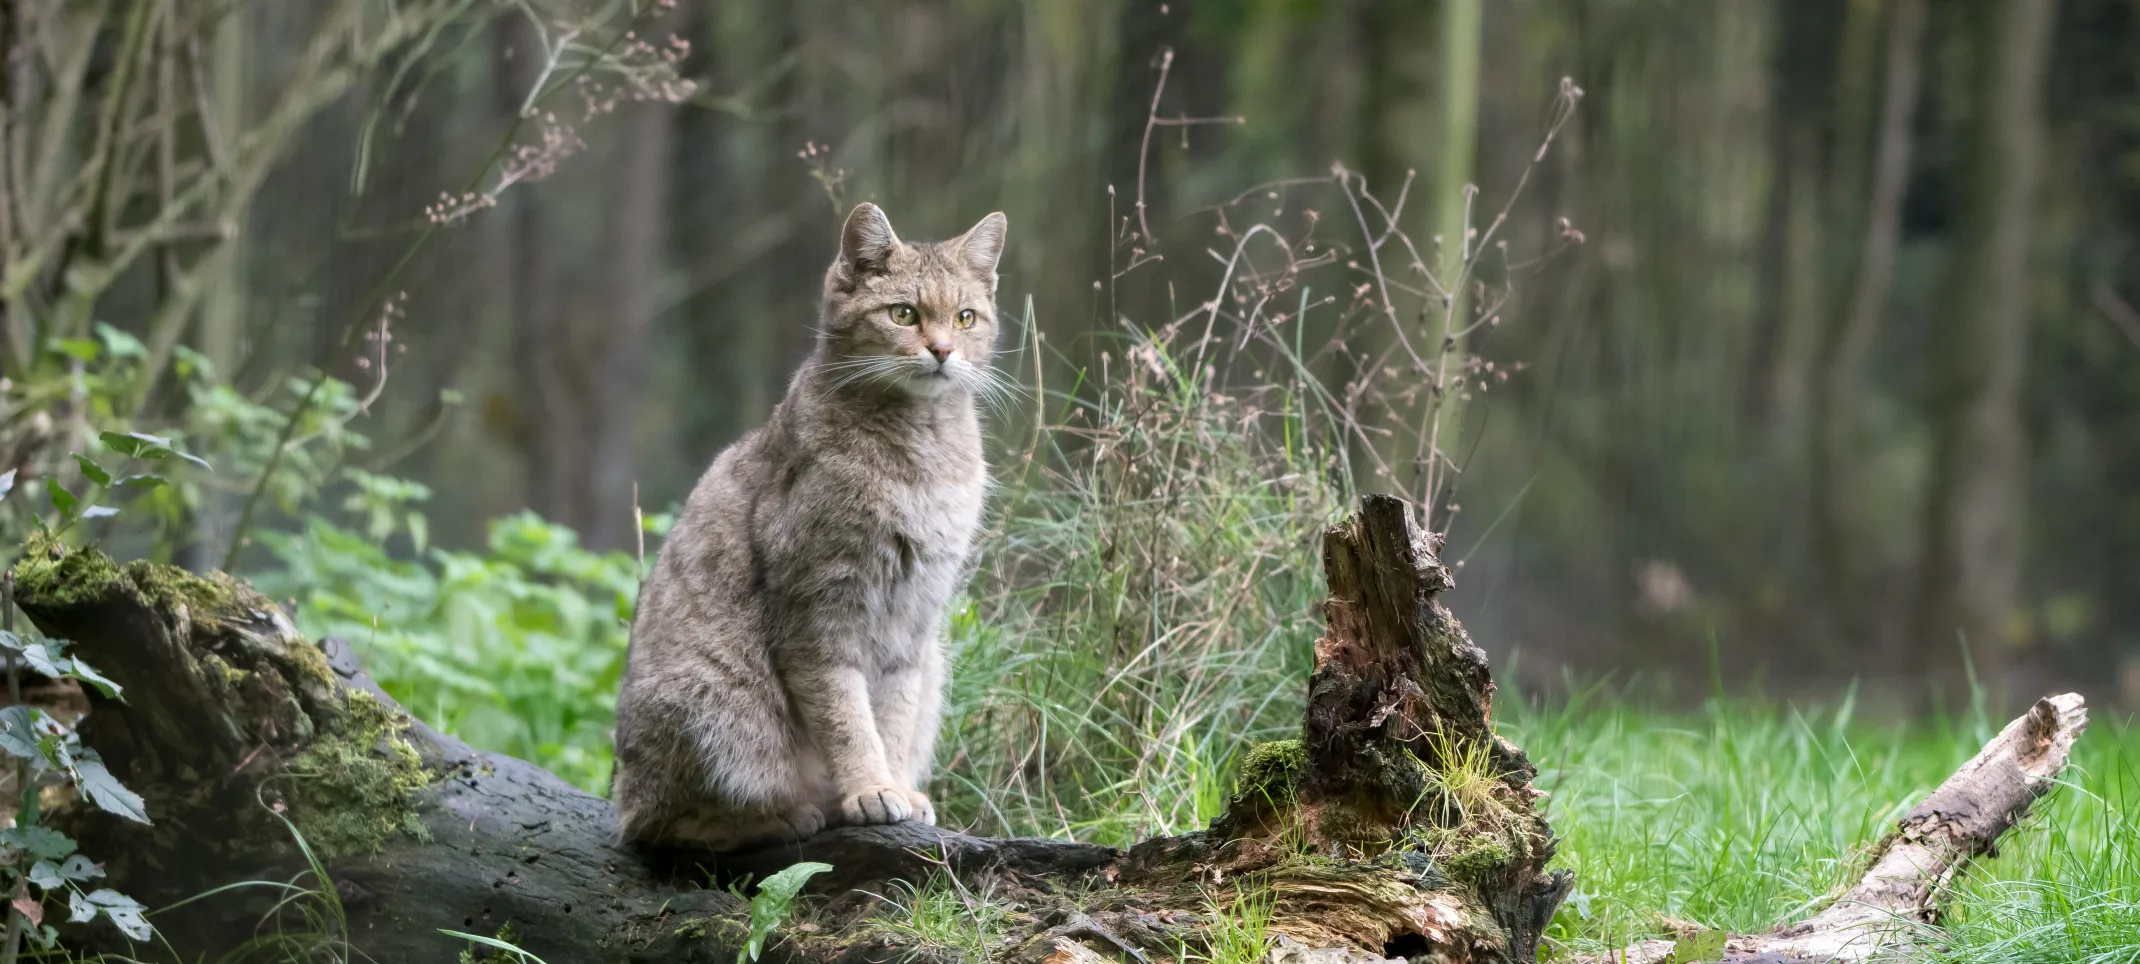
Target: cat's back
{"points": [[701, 594]]}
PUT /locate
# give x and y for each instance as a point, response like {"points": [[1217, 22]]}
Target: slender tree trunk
{"points": [[1849, 331], [1972, 551], [641, 232]]}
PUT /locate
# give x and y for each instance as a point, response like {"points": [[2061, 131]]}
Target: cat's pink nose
{"points": [[942, 352]]}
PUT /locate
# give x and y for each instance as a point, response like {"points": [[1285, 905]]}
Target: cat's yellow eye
{"points": [[906, 315], [966, 318]]}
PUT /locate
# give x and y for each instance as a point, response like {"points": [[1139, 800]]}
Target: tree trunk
{"points": [[1398, 825], [1970, 564], [1848, 333]]}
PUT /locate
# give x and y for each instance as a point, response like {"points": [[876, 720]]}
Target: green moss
{"points": [[1475, 856], [54, 575], [350, 788], [1272, 767]]}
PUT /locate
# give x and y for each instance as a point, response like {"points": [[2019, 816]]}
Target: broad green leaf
{"points": [[776, 894], [142, 481], [124, 912], [79, 908], [121, 344], [46, 660], [81, 348], [91, 470], [7, 483], [11, 642], [22, 731], [129, 444], [92, 677], [99, 512], [107, 897], [105, 790], [62, 499], [79, 867], [46, 875], [43, 842]]}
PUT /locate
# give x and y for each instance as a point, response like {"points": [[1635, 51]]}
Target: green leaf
{"points": [[23, 730], [79, 867], [142, 445], [494, 943], [11, 642], [43, 842], [776, 895], [124, 912], [105, 790], [91, 470], [46, 876], [81, 348], [142, 481], [62, 499], [121, 344], [129, 444], [7, 483], [1707, 946], [82, 672], [99, 512], [46, 660], [79, 908]]}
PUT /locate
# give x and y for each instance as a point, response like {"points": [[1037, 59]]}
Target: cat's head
{"points": [[913, 317]]}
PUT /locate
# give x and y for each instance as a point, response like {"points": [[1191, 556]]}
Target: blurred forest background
{"points": [[1844, 375]]}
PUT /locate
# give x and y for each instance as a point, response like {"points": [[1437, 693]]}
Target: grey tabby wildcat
{"points": [[785, 669]]}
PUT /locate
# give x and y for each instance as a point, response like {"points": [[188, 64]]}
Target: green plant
{"points": [[517, 649], [942, 913], [34, 855], [1240, 931], [770, 906]]}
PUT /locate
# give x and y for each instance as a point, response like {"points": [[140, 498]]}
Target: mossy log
{"points": [[1397, 826]]}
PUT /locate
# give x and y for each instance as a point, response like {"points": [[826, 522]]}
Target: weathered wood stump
{"points": [[1398, 825]]}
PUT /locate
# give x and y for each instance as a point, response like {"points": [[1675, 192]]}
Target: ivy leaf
{"points": [[46, 876], [142, 481], [43, 842], [79, 908], [82, 672], [79, 867], [62, 499], [124, 912], [91, 470], [7, 483], [96, 782], [142, 445], [99, 512]]}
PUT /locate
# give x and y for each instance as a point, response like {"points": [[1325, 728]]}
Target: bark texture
{"points": [[1398, 826]]}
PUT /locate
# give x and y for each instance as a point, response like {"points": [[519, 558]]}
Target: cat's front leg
{"points": [[909, 710], [834, 704]]}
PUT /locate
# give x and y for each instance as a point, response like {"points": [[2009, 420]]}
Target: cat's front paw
{"points": [[924, 811], [875, 805], [803, 821]]}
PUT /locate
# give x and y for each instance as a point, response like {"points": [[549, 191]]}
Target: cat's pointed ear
{"points": [[982, 245], [867, 240]]}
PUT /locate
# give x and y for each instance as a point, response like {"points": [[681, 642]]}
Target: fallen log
{"points": [[1398, 826]]}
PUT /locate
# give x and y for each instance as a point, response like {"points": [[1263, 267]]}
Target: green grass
{"points": [[1741, 815]]}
